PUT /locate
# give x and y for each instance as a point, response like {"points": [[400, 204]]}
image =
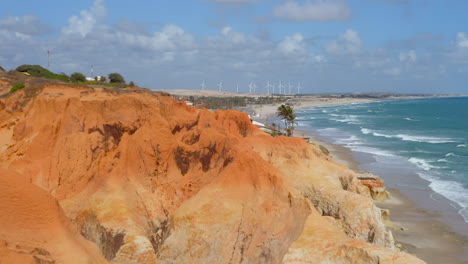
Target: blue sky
{"points": [[410, 46]]}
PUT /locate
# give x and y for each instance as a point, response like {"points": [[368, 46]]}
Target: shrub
{"points": [[78, 77], [16, 87], [39, 71], [116, 78], [103, 79]]}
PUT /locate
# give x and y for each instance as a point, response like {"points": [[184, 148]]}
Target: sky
{"points": [[403, 46]]}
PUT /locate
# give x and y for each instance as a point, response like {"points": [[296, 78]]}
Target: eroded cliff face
{"points": [[139, 178]]}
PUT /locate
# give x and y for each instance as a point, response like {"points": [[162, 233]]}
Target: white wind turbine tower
{"points": [[280, 87], [268, 86], [203, 85], [237, 88], [250, 87], [299, 87], [290, 87], [254, 88], [220, 86]]}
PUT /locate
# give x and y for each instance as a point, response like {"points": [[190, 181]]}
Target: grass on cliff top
{"points": [[16, 87], [39, 71]]}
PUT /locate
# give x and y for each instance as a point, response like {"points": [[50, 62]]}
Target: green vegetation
{"points": [[131, 84], [286, 113], [78, 77], [39, 71], [116, 78], [16, 87]]}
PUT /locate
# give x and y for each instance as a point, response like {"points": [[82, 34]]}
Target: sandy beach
{"points": [[416, 230]]}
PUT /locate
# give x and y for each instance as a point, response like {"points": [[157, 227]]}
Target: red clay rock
{"points": [[150, 180]]}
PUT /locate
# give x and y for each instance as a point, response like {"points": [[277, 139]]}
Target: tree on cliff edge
{"points": [[286, 113], [116, 78]]}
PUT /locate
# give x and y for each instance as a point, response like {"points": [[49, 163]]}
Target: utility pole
{"points": [[48, 58]]}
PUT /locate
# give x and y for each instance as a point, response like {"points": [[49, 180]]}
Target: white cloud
{"points": [[25, 25], [87, 21], [171, 37], [462, 40], [293, 45], [232, 36], [318, 10], [348, 43], [409, 57]]}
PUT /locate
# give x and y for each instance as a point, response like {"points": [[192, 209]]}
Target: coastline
{"points": [[416, 230]]}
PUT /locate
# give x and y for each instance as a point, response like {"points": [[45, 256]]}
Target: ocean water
{"points": [[428, 137]]}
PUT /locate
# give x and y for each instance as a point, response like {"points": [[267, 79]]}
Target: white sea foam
{"points": [[366, 131], [409, 119], [328, 130], [350, 119], [370, 150], [350, 141], [462, 145], [423, 164], [451, 190], [451, 154], [423, 139], [433, 140]]}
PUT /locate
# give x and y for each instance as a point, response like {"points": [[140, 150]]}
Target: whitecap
{"points": [[349, 119], [366, 131], [370, 150], [462, 145], [451, 190], [423, 164], [423, 139]]}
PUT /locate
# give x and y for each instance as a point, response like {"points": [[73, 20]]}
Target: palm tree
{"points": [[286, 113]]}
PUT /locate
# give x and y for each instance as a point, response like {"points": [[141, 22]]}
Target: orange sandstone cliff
{"points": [[90, 175]]}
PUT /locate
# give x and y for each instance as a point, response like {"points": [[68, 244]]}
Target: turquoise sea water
{"points": [[427, 136]]}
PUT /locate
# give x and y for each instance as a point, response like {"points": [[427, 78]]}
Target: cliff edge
{"points": [[95, 175]]}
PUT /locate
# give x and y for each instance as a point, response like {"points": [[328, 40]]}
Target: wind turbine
{"points": [[250, 87], [268, 86], [220, 86], [237, 88], [290, 87], [280, 86], [299, 87], [203, 85], [254, 87]]}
